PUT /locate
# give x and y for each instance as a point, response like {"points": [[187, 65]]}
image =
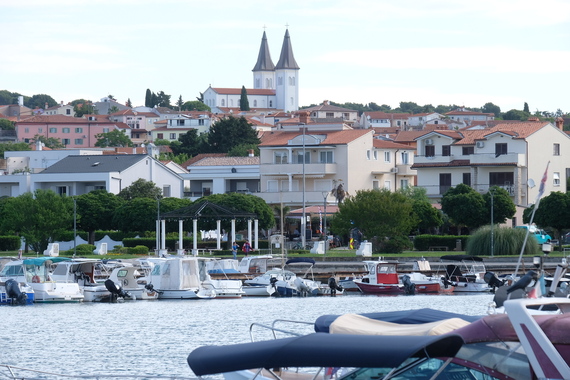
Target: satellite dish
{"points": [[531, 183]]}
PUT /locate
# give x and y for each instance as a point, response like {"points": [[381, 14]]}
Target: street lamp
{"points": [[325, 195], [74, 226], [157, 226], [304, 220], [491, 192]]}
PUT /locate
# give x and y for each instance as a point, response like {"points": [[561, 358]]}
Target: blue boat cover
{"points": [[307, 260], [39, 261], [425, 315], [222, 271], [322, 350]]}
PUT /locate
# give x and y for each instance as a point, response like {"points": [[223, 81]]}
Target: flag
{"points": [[543, 181]]}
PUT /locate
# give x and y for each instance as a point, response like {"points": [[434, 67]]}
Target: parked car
{"points": [[541, 236]]}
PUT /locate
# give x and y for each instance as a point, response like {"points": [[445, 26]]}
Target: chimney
{"points": [[46, 106], [39, 145], [560, 123], [21, 101], [325, 102], [304, 117], [250, 152]]}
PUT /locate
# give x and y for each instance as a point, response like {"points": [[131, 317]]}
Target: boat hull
{"points": [[380, 288]]}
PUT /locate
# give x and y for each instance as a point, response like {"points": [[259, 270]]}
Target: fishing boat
{"points": [[279, 282], [35, 272], [382, 278], [514, 345], [131, 280]]}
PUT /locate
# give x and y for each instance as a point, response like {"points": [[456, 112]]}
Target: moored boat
{"points": [[382, 278], [14, 293]]}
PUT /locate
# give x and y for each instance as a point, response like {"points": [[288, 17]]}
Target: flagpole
{"points": [[538, 197]]}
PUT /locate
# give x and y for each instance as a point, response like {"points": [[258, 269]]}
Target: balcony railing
{"points": [[314, 168]]}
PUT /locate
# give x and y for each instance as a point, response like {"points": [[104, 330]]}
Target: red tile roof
{"points": [[332, 137]]}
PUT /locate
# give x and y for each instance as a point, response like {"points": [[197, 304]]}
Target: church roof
{"points": [[286, 59], [264, 62], [237, 91]]}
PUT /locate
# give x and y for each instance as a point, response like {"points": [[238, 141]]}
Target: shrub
{"points": [[506, 241], [424, 242], [10, 243], [396, 244]]}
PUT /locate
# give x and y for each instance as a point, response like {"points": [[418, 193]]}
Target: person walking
{"points": [[235, 247], [246, 247]]}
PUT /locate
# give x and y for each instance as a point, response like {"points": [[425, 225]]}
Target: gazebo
{"points": [[205, 210]]}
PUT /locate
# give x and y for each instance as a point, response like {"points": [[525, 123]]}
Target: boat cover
{"points": [[425, 315], [322, 350], [360, 325], [306, 260], [39, 261], [222, 271]]}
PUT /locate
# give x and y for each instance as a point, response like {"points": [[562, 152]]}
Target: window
{"points": [[272, 186], [223, 102], [179, 122], [173, 136], [166, 191], [405, 158], [280, 81], [53, 130], [375, 185], [300, 157], [368, 154], [280, 157], [467, 179], [65, 130], [444, 182], [255, 103], [556, 179], [105, 130], [346, 116], [329, 115], [387, 157], [326, 157], [387, 185], [404, 183], [40, 130], [430, 150], [78, 130], [68, 111], [160, 136], [446, 150], [78, 141], [376, 155], [200, 121], [257, 82], [556, 149], [500, 149], [65, 141], [61, 190], [501, 179], [270, 103], [468, 150]]}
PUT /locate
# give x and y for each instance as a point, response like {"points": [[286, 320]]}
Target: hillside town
{"points": [[303, 154]]}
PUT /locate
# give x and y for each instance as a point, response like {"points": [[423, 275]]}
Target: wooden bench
{"points": [[438, 248]]}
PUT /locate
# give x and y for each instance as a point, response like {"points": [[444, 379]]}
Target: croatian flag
{"points": [[543, 181]]}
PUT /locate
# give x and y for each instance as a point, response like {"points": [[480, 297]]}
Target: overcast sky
{"points": [[426, 51]]}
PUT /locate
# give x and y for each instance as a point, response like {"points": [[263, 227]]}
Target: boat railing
{"points": [[273, 329], [12, 372]]}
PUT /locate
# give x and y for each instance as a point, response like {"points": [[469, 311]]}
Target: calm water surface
{"points": [[155, 337]]}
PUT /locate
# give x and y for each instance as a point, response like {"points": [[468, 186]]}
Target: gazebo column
{"points": [[163, 250], [233, 231], [218, 234], [195, 237], [180, 240], [249, 231], [256, 234]]}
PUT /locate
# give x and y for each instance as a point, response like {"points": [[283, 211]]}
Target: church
{"points": [[275, 87]]}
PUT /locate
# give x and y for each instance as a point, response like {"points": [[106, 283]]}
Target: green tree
{"points": [[39, 218], [243, 150], [49, 142], [163, 100], [379, 214], [229, 132], [190, 143], [13, 147], [85, 108], [113, 109], [464, 205], [491, 108], [503, 206], [136, 215], [148, 99], [141, 188], [515, 115], [243, 101], [114, 138], [195, 105], [525, 108], [129, 103], [427, 216], [6, 125], [179, 103], [95, 211], [241, 202], [40, 101], [553, 212]]}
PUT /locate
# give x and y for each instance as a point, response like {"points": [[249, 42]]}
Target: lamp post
{"points": [[491, 192], [74, 226], [325, 194], [304, 220], [157, 226]]}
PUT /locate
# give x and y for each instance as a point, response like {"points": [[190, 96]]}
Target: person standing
{"points": [[235, 247], [246, 247]]}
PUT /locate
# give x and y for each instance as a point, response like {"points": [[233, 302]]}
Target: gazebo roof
{"points": [[206, 209]]}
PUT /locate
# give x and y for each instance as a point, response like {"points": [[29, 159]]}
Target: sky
{"points": [[467, 53]]}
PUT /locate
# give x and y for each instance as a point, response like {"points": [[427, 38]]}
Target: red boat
{"points": [[382, 278]]}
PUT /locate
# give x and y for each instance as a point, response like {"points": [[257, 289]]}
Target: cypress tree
{"points": [[243, 101], [148, 98]]}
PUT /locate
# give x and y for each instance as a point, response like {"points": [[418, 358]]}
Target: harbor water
{"points": [[154, 338]]}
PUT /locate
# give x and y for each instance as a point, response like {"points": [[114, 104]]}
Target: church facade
{"points": [[275, 87]]}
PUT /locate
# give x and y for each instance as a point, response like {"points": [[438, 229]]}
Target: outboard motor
{"points": [[334, 286], [116, 291], [13, 292], [493, 281], [273, 284], [409, 286], [524, 281]]}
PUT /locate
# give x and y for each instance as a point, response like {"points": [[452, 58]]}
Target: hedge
{"points": [[10, 243], [424, 242]]}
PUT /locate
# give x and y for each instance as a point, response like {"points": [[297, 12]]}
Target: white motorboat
{"points": [[180, 277], [15, 293], [36, 273], [84, 273], [466, 273], [131, 280], [273, 282]]}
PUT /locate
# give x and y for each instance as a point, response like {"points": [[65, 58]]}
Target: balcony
{"points": [[437, 159], [297, 169], [295, 197], [492, 159]]}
